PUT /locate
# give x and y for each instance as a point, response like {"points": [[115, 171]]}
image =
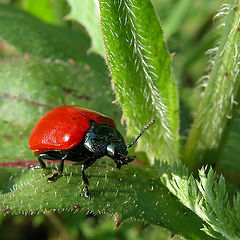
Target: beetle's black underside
{"points": [[76, 154]]}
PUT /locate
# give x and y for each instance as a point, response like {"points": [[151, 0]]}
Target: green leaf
{"points": [[41, 9], [218, 103], [230, 156], [208, 198], [141, 70], [39, 39], [47, 10], [122, 194], [86, 12], [32, 87], [229, 160]]}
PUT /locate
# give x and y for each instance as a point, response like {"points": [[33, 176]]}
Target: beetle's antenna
{"points": [[144, 129]]}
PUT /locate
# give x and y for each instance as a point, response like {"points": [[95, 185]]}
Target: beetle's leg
{"points": [[118, 164], [85, 165], [60, 171], [85, 180], [42, 163], [84, 177]]}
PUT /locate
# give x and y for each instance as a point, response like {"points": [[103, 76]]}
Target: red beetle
{"points": [[80, 135]]}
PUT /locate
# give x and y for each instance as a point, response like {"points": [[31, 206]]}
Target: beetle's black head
{"points": [[117, 150]]}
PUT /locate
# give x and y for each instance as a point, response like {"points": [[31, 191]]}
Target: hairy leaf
{"points": [[122, 194], [230, 156], [140, 66], [208, 198], [219, 99]]}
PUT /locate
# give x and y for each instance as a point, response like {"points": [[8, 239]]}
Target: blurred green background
{"points": [[189, 31]]}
